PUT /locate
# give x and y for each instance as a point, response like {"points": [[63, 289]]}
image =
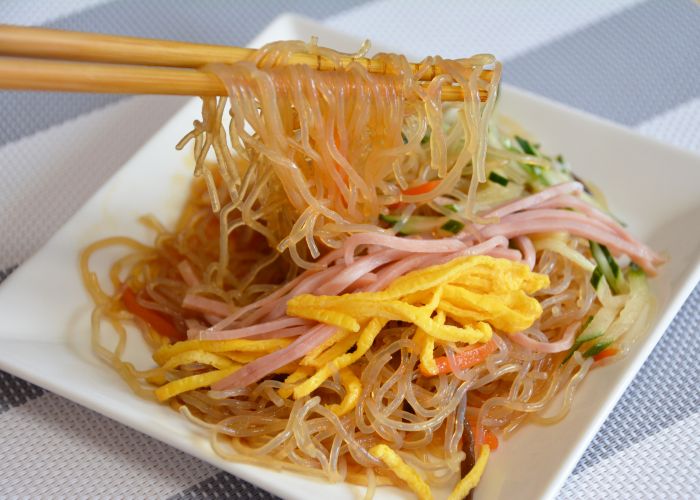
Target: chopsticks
{"points": [[68, 61]]}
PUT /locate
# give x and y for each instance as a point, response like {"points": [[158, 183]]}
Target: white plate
{"points": [[651, 186]]}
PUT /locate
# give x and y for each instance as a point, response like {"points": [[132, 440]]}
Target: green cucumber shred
{"points": [[608, 267], [498, 179], [422, 224], [595, 277], [525, 145], [582, 339], [452, 226], [597, 348]]}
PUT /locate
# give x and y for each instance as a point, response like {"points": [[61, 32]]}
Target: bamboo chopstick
{"points": [[68, 76], [69, 61], [78, 46]]}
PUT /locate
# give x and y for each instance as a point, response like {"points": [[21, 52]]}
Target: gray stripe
{"points": [[664, 391], [628, 67], [15, 391], [211, 21], [4, 273], [224, 485]]}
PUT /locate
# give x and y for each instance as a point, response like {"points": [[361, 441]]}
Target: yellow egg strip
{"points": [[404, 471], [163, 354], [328, 343], [332, 352], [198, 356], [335, 318], [243, 357], [511, 311], [427, 347], [192, 382], [353, 388], [297, 375], [369, 333], [470, 481]]}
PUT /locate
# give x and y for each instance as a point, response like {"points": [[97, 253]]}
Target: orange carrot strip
{"points": [[606, 353], [422, 188], [464, 359], [489, 437], [155, 320]]}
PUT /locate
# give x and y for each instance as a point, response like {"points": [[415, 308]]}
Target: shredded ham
{"points": [[206, 306], [255, 370], [187, 273], [528, 250], [577, 224], [413, 245], [536, 199], [566, 341], [248, 331], [505, 253]]}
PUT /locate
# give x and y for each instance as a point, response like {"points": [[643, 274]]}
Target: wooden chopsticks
{"points": [[55, 60]]}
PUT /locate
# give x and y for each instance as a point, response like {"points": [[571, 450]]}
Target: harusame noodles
{"points": [[366, 283]]}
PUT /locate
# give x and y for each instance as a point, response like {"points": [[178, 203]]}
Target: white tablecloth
{"points": [[635, 62]]}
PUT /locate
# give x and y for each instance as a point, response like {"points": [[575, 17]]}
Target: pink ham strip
{"points": [[311, 284], [294, 331], [566, 341], [364, 281], [357, 270], [597, 214], [528, 250], [580, 227], [212, 319], [505, 253], [206, 306], [255, 370], [187, 273], [535, 199], [248, 331], [413, 245]]}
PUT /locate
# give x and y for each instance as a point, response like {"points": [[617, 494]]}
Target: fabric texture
{"points": [[55, 155]]}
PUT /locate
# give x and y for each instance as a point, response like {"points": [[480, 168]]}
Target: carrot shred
{"points": [[154, 319], [606, 353], [422, 188], [489, 437], [464, 359]]}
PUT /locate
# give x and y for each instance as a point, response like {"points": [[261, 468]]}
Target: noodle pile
{"points": [[312, 156], [368, 284]]}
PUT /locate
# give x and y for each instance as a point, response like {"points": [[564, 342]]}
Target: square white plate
{"points": [[651, 186]]}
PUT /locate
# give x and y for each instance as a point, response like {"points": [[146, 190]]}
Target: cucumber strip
{"points": [[414, 224], [498, 179], [525, 146], [452, 226], [536, 172], [609, 268], [597, 348], [595, 277], [579, 342]]}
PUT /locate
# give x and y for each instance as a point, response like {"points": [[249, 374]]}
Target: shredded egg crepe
{"points": [[475, 292]]}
